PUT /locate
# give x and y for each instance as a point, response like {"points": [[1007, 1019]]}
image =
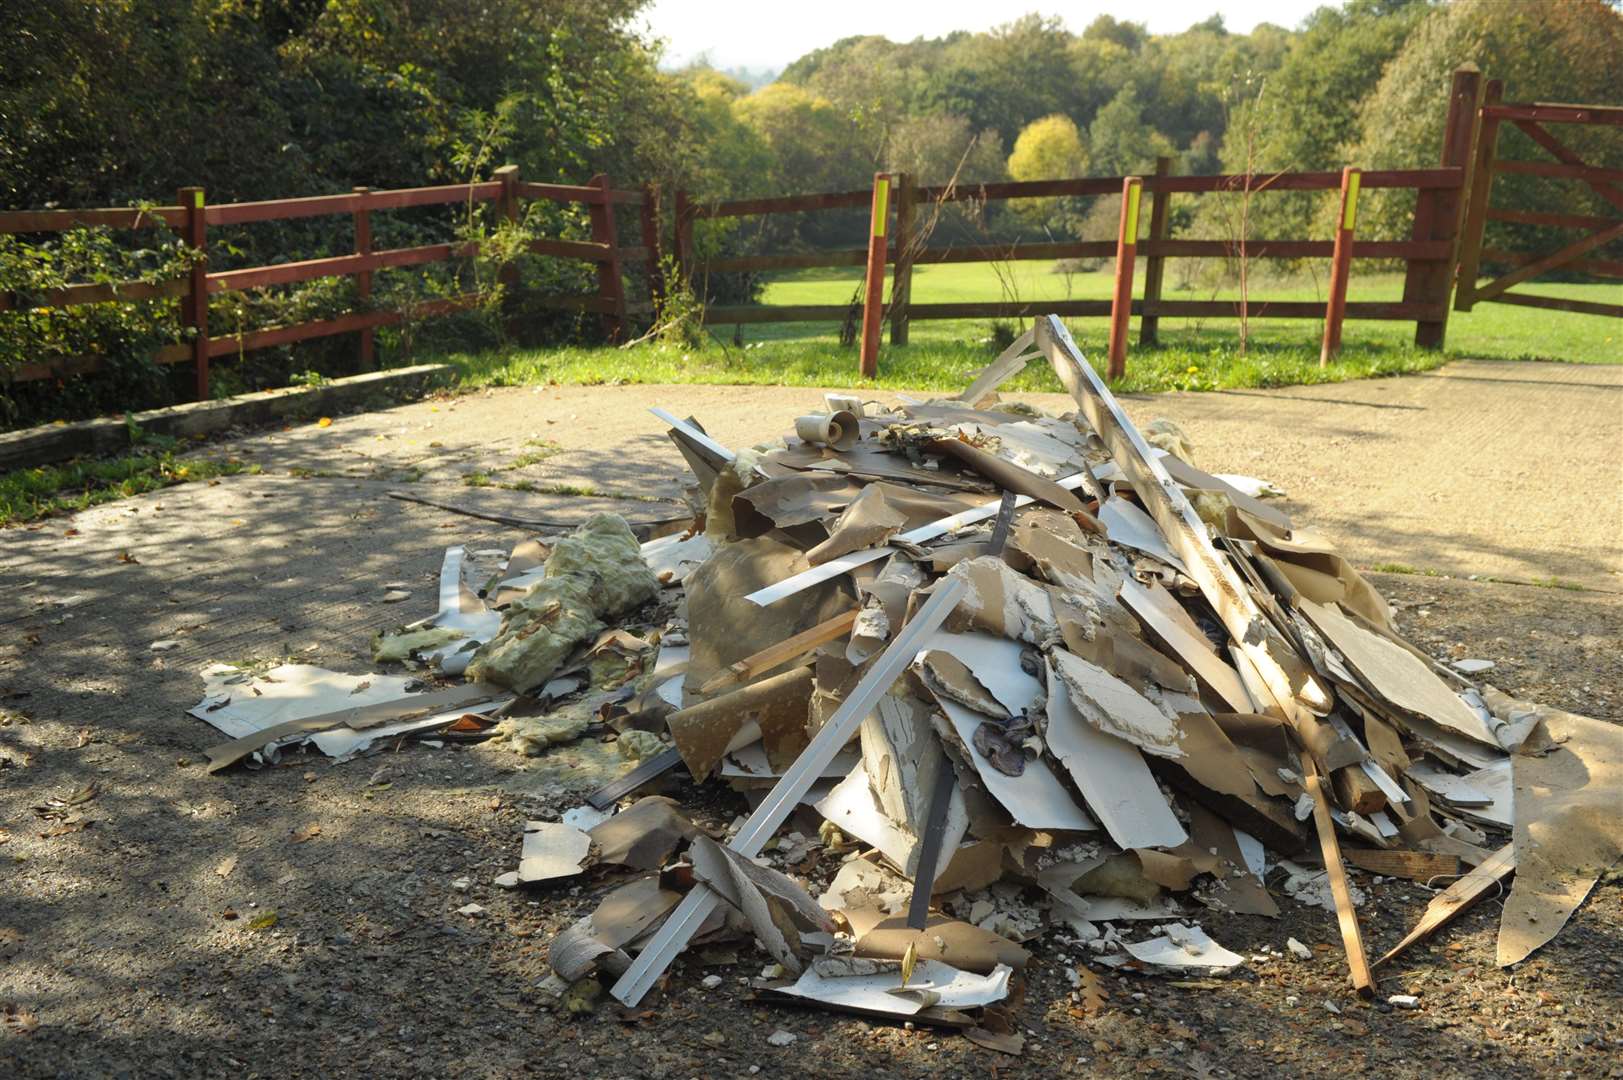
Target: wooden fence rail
{"points": [[1428, 255], [193, 217], [1568, 165]]}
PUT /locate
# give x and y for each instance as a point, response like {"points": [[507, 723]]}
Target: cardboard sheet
{"points": [[1130, 526], [551, 850], [1569, 827], [966, 947], [644, 834]]}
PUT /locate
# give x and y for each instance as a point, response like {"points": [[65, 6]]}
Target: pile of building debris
{"points": [[1011, 674]]}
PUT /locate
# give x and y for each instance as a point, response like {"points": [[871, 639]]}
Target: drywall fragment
{"points": [[1166, 619], [1470, 666], [1130, 526], [877, 986], [1035, 798], [1011, 477], [1184, 948], [551, 850], [901, 755], [1113, 707], [778, 909], [595, 572], [1110, 772], [1003, 602], [644, 834], [852, 809], [1569, 826], [624, 915], [869, 520], [862, 884], [1236, 885], [1396, 674]]}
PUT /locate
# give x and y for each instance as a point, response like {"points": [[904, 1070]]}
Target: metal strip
{"points": [[700, 901], [946, 781], [694, 433], [615, 790], [771, 594]]}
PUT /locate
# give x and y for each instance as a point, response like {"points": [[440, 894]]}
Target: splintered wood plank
{"points": [[1452, 902], [1357, 962]]}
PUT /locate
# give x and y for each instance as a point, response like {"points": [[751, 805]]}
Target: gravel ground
{"points": [[138, 946]]}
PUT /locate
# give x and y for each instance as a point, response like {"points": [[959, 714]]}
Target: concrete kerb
{"points": [[59, 442]]}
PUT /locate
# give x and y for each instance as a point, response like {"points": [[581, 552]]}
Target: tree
{"points": [[1560, 50], [811, 142], [936, 146], [1120, 142], [1047, 149]]}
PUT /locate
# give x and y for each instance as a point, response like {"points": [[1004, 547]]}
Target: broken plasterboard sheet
{"points": [[1113, 707], [1184, 948], [240, 704], [672, 558], [551, 850], [1457, 790], [777, 908], [1002, 602], [1166, 619], [877, 985], [1035, 798], [1111, 774], [343, 743], [1396, 674], [751, 763], [851, 808], [864, 884], [1569, 827], [995, 664], [1129, 526]]}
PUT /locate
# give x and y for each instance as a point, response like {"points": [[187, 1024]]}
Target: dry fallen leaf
{"points": [[126, 557], [1092, 990], [18, 1020], [85, 738], [8, 936], [306, 833], [263, 922], [909, 959], [228, 864]]}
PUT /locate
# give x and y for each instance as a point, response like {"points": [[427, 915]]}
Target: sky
{"points": [[771, 33]]}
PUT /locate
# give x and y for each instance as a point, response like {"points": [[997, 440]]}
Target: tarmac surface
{"points": [[128, 942]]}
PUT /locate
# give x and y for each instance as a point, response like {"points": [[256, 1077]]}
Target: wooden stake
{"points": [[1346, 915], [1452, 902], [901, 279], [1335, 309], [363, 280], [194, 303], [873, 305], [1121, 303], [1149, 324]]}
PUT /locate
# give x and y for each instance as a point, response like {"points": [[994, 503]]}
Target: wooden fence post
{"points": [[363, 280], [682, 237], [873, 301], [654, 258], [901, 278], [1149, 324], [194, 305], [1476, 207], [507, 206], [1437, 212], [1335, 309], [609, 284], [1121, 302]]}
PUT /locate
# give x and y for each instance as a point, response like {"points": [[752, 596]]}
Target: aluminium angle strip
{"points": [[701, 900], [771, 594], [694, 433]]}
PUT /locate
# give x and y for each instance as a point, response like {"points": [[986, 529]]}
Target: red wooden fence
{"points": [[193, 217]]}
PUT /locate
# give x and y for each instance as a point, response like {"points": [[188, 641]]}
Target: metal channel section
{"points": [[700, 901]]}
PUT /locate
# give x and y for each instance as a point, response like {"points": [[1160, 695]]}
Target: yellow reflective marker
{"points": [[197, 199], [1131, 235], [881, 204], [1351, 214]]}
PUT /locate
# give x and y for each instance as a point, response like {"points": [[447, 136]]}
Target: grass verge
{"points": [[28, 495]]}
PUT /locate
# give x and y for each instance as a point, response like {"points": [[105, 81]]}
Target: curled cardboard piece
{"points": [[624, 916], [966, 947]]}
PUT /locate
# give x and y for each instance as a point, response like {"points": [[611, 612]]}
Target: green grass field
{"points": [[1195, 354]]}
